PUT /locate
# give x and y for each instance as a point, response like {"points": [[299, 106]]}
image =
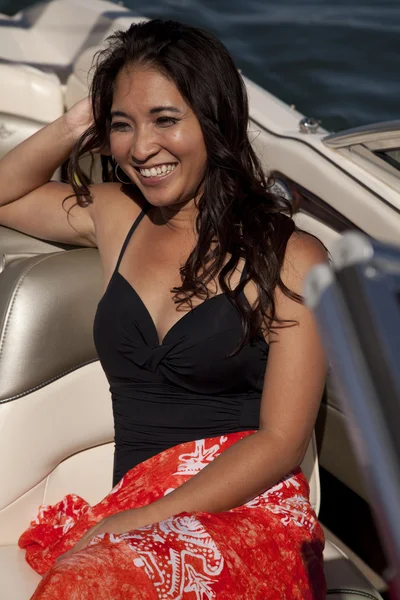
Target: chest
{"points": [[194, 355], [151, 267]]}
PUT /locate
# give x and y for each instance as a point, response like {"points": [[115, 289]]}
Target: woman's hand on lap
{"points": [[119, 523]]}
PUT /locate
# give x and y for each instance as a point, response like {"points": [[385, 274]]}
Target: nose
{"points": [[144, 145]]}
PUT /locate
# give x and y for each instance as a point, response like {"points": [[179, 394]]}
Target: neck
{"points": [[177, 217]]}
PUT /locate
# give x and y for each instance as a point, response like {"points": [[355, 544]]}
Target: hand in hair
{"points": [[79, 118]]}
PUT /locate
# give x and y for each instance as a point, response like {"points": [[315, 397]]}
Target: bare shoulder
{"points": [[113, 206], [113, 199], [303, 251], [113, 211]]}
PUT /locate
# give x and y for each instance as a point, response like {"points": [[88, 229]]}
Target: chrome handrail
{"points": [[388, 130]]}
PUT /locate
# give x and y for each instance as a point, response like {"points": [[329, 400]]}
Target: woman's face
{"points": [[156, 137]]}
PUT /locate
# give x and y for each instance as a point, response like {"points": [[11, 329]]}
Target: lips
{"points": [[151, 180], [157, 170]]}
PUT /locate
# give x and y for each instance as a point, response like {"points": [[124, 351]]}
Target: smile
{"points": [[157, 171]]}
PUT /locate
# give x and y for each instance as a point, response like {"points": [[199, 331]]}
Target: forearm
{"points": [[238, 475], [32, 163]]}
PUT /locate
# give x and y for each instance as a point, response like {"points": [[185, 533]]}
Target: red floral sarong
{"points": [[269, 548]]}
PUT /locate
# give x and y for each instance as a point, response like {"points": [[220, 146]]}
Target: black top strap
{"points": [[244, 273], [130, 233]]}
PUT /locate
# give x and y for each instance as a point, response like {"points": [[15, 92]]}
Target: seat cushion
{"points": [[342, 574], [18, 581]]}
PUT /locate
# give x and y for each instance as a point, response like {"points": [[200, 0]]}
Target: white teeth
{"points": [[157, 171]]}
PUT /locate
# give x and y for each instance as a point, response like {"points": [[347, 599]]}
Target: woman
{"points": [[214, 363]]}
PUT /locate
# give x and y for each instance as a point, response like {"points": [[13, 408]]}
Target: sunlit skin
{"points": [[153, 125]]}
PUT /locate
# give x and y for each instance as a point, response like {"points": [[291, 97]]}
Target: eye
{"points": [[166, 121], [119, 126]]}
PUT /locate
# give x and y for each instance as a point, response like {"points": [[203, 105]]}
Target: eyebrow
{"points": [[158, 109], [154, 110], [119, 113]]}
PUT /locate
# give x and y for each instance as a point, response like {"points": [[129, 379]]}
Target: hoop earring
{"points": [[119, 178]]}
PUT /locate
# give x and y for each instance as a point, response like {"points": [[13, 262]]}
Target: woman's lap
{"points": [[96, 573], [269, 548], [178, 559]]}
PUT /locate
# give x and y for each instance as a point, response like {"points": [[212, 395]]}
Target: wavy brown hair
{"points": [[236, 208]]}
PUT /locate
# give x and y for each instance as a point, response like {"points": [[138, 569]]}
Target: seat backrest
{"points": [[54, 397]]}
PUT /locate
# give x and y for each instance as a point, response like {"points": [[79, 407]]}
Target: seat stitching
{"points": [[40, 385]]}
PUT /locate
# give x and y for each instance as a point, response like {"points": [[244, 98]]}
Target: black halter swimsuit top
{"points": [[185, 388]]}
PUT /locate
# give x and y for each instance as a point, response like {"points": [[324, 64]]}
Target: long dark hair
{"points": [[236, 207]]}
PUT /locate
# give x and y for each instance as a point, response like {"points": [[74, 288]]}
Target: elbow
{"points": [[299, 453], [292, 452]]}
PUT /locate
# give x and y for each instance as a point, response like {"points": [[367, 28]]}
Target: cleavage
{"points": [[152, 270]]}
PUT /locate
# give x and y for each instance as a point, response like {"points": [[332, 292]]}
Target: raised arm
{"points": [[29, 201]]}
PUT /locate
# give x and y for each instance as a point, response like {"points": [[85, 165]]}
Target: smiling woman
{"points": [[213, 408], [156, 150]]}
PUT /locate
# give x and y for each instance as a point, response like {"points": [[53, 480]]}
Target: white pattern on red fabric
{"points": [[171, 572], [191, 463], [296, 509]]}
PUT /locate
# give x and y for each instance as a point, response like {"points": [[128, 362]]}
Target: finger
{"points": [[62, 556], [79, 546]]}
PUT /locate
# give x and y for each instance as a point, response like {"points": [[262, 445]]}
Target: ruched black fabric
{"points": [[185, 388]]}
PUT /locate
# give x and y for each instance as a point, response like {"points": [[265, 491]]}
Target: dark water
{"points": [[336, 60]]}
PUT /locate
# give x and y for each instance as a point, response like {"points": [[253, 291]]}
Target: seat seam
{"points": [[51, 380], [5, 328]]}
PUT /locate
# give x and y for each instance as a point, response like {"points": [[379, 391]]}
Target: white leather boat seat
{"points": [[55, 408]]}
